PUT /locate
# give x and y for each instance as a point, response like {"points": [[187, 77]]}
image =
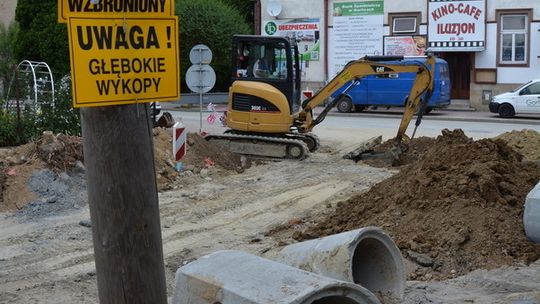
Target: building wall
{"points": [[314, 72], [507, 77], [7, 11]]}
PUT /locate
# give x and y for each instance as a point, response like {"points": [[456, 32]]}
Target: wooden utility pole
{"points": [[122, 195]]}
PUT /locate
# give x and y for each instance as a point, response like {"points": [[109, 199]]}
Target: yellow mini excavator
{"points": [[265, 115]]}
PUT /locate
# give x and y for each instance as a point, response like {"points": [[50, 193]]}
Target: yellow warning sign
{"points": [[114, 9], [123, 61]]}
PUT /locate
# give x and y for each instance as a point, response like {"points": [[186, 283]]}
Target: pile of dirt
{"points": [[526, 142], [63, 154], [200, 156], [457, 209], [60, 152]]}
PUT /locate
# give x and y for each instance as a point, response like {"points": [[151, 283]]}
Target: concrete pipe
{"points": [[234, 277], [366, 256], [531, 214]]}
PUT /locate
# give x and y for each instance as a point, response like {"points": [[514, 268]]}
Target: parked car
{"points": [[392, 90], [523, 100]]}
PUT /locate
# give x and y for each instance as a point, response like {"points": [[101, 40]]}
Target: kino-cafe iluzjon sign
{"points": [[456, 25]]}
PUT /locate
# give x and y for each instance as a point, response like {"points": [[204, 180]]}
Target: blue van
{"points": [[392, 90]]}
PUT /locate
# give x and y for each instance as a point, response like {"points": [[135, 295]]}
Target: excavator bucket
{"points": [[165, 121], [373, 148]]}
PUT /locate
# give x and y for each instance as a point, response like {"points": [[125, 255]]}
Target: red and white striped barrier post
{"points": [[179, 141]]}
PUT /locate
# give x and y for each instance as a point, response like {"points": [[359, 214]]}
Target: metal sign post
{"points": [[200, 77]]}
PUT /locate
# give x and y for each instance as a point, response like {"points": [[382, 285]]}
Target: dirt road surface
{"points": [[49, 259]]}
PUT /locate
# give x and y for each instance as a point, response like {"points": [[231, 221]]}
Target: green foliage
{"points": [[7, 58], [212, 23], [41, 37], [246, 9], [29, 124]]}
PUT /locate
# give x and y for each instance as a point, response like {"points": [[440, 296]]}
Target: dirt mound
{"points": [[16, 166], [60, 152], [201, 152], [200, 155], [526, 142], [458, 208]]}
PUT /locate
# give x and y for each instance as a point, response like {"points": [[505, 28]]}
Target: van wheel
{"points": [[428, 110], [506, 111], [345, 105], [358, 108]]}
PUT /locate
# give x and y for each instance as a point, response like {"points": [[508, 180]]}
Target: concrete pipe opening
{"points": [[378, 267], [335, 300], [366, 256]]}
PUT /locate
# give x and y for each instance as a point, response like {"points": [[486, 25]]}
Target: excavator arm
{"points": [[354, 71]]}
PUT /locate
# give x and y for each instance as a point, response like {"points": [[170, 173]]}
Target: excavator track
{"points": [[312, 141], [263, 146]]}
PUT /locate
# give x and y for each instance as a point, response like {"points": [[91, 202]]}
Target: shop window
{"points": [[513, 38], [404, 24]]}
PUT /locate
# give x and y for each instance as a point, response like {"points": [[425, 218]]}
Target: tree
{"points": [[41, 37], [7, 58], [213, 23], [246, 9]]}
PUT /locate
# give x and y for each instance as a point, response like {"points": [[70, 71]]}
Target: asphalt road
{"points": [[385, 122]]}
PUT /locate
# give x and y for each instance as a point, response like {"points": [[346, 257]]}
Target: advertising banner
{"points": [[305, 31], [404, 45], [123, 61], [357, 31], [456, 25]]}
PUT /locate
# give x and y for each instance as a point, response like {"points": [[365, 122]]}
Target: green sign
{"points": [[359, 8], [270, 28]]}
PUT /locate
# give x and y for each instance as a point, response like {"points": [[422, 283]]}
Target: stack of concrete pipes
{"points": [[363, 266]]}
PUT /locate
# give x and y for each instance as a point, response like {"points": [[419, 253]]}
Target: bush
{"points": [[29, 125]]}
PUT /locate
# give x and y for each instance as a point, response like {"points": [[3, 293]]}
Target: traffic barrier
{"points": [[531, 214], [234, 277], [179, 141], [365, 256]]}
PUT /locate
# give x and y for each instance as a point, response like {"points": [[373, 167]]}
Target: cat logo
{"points": [[381, 69]]}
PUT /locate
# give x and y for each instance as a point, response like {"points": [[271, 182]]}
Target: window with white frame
{"points": [[513, 39], [404, 25]]}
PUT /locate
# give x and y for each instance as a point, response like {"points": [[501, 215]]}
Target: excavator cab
{"points": [[265, 89]]}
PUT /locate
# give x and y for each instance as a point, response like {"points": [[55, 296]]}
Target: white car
{"points": [[523, 100]]}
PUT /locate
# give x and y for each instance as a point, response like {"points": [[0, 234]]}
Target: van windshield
{"points": [[520, 87]]}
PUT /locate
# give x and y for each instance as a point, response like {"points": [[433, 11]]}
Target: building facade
{"points": [[7, 11], [491, 46]]}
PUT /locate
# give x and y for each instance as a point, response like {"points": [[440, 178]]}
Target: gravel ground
{"points": [[58, 194]]}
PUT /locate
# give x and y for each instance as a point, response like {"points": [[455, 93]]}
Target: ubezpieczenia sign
{"points": [[123, 61], [114, 9]]}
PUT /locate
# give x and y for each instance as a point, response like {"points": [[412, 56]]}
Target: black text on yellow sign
{"points": [[114, 9], [123, 61]]}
